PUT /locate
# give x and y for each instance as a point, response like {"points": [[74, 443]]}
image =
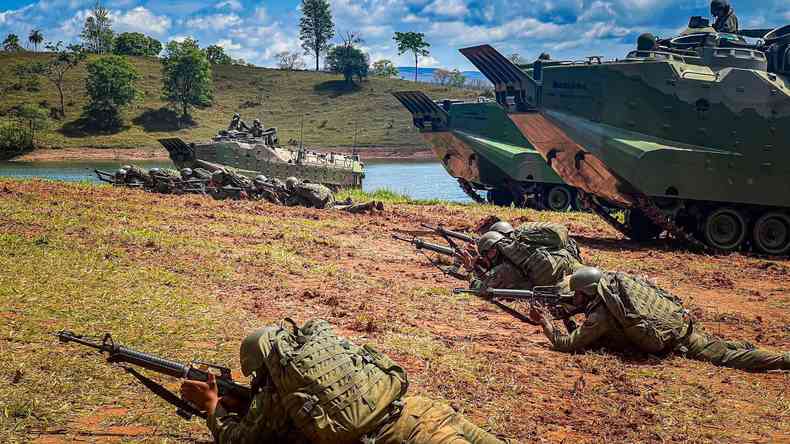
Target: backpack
{"points": [[651, 318], [332, 390], [547, 235]]}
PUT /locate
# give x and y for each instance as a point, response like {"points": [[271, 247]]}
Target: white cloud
{"points": [[448, 8], [228, 45], [233, 5], [140, 19], [606, 31], [213, 22]]}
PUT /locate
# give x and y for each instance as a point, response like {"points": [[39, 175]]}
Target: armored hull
{"points": [[481, 147], [252, 157], [691, 138]]}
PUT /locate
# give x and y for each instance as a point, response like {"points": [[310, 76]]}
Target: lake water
{"points": [[419, 180]]}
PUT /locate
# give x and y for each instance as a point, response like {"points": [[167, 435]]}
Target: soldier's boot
{"points": [[424, 421], [733, 354]]}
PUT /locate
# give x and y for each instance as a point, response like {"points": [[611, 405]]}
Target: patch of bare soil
{"points": [[501, 373]]}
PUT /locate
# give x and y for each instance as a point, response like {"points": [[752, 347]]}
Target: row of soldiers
{"points": [[622, 312], [358, 395], [225, 183]]}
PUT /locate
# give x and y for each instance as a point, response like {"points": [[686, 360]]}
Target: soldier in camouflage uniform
{"points": [[357, 395], [310, 195], [726, 20], [625, 312], [521, 259], [228, 184]]}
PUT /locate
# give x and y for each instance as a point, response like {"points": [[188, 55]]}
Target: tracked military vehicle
{"points": [[480, 147], [691, 136], [262, 154]]}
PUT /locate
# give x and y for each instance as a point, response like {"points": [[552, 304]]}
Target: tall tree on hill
{"points": [[187, 76], [316, 28], [110, 87], [97, 32], [11, 43], [35, 38], [216, 55], [415, 43], [348, 60], [136, 44], [55, 69]]}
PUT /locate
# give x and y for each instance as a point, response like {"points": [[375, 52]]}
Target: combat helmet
{"points": [[126, 167], [646, 42], [291, 182], [719, 8], [186, 172], [488, 241], [260, 178], [251, 355], [502, 227], [586, 280], [121, 173]]}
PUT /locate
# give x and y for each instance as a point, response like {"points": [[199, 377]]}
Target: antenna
{"points": [[301, 133], [356, 129]]}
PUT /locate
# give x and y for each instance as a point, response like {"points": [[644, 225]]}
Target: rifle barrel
{"points": [[422, 245], [449, 233]]}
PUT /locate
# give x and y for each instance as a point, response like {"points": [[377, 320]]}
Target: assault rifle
{"points": [[118, 354], [445, 233], [422, 245], [108, 177], [550, 297], [439, 249]]}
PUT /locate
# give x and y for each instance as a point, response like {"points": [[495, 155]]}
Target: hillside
{"points": [[278, 98]]}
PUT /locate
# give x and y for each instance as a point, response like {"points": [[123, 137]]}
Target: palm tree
{"points": [[35, 37], [11, 43]]}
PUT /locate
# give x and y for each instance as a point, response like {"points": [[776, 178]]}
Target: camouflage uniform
{"points": [[631, 313], [136, 175], [268, 354], [727, 22], [311, 195], [538, 266]]}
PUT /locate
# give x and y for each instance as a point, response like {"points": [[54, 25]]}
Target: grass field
{"points": [[279, 98], [186, 277]]}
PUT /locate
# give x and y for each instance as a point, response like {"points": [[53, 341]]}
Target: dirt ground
{"points": [[276, 262], [132, 154]]}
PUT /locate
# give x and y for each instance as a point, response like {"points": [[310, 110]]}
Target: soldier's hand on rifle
{"points": [[467, 259], [204, 395], [536, 314]]}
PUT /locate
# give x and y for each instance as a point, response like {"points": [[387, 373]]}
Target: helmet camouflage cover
{"points": [[488, 241]]}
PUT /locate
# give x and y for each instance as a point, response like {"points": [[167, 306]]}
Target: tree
{"points": [[216, 55], [289, 61], [415, 43], [316, 28], [456, 79], [186, 76], [97, 32], [11, 43], [35, 38], [64, 61], [110, 87], [384, 68], [136, 44], [442, 76], [348, 60]]}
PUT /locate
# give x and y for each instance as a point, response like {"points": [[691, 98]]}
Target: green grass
{"points": [[387, 196], [279, 98]]}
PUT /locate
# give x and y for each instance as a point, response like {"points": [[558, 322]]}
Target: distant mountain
{"points": [[426, 75]]}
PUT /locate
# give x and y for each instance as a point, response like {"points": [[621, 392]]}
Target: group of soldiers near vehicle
{"points": [[312, 386], [315, 387], [225, 183]]}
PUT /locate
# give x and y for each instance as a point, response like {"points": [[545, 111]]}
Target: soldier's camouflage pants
{"points": [[424, 421], [733, 354]]}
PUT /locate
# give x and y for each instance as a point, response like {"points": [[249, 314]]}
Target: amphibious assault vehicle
{"points": [[252, 156], [480, 147], [691, 136]]}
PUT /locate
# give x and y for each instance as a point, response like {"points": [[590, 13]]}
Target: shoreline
{"points": [[153, 154]]}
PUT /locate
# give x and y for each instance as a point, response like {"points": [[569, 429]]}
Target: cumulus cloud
{"points": [[216, 22], [140, 19], [233, 5], [448, 8]]}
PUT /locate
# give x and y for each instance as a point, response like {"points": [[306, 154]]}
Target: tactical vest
{"points": [[651, 318], [547, 235], [318, 195], [333, 391], [543, 267]]}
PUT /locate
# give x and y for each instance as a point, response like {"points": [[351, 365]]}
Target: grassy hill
{"points": [[278, 98]]}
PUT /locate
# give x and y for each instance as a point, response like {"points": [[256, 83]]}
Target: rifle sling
{"points": [[165, 394]]}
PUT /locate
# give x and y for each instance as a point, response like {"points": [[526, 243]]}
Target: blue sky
{"points": [[257, 30]]}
